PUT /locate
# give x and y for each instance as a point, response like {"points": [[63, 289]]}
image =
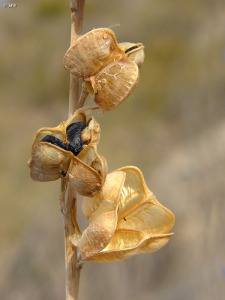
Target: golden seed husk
{"points": [[142, 226], [109, 73]]}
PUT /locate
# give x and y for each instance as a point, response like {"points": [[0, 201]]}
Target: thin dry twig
{"points": [[77, 9], [68, 195]]}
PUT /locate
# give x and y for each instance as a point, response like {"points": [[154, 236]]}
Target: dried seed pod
{"points": [[110, 72], [126, 243], [143, 224], [56, 150], [92, 52], [103, 220], [84, 178], [48, 162], [135, 52], [87, 171], [112, 85]]}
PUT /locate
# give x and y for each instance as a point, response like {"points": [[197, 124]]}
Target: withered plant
{"points": [[124, 216]]}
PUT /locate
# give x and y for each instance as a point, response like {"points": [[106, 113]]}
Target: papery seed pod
{"points": [[92, 132], [92, 52], [112, 85], [110, 72], [135, 52], [87, 171], [126, 243], [143, 224], [48, 162], [53, 149], [103, 220]]}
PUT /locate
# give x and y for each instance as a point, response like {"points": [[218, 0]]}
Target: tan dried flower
{"points": [[69, 151], [125, 219], [109, 70]]}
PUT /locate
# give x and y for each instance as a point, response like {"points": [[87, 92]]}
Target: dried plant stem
{"points": [[68, 195], [77, 9]]}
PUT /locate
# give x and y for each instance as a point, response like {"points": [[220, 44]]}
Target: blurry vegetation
{"points": [[179, 108], [50, 9]]}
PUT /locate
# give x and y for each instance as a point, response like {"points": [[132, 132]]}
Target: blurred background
{"points": [[172, 127]]}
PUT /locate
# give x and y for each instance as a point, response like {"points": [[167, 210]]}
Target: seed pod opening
{"points": [[53, 148], [135, 52]]}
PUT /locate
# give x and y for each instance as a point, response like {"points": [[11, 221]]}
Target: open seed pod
{"points": [[143, 224], [87, 170], [109, 72], [135, 52], [51, 149], [69, 150]]}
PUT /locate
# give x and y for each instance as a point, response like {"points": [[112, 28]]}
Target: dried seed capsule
{"points": [[87, 171], [92, 52], [113, 84], [69, 150], [142, 224], [110, 71], [53, 148], [135, 52], [48, 162]]}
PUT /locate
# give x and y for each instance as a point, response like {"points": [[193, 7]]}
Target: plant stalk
{"points": [[77, 10], [68, 195]]}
